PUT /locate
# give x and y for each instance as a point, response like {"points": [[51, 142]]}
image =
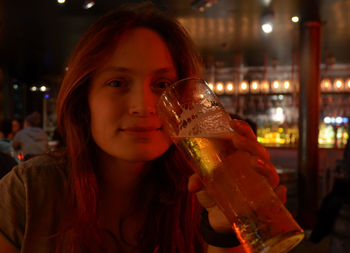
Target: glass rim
{"points": [[174, 84]]}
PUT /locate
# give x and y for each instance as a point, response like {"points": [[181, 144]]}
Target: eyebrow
{"points": [[130, 71]]}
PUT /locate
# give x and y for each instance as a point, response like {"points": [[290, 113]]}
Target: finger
{"points": [[251, 146], [194, 183], [281, 192], [205, 199], [243, 128], [267, 170]]}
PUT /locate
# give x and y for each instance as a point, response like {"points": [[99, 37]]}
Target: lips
{"points": [[141, 131]]}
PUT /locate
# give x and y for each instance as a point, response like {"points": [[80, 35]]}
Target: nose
{"points": [[142, 101]]}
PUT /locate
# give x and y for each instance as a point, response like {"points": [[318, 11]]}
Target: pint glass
{"points": [[200, 128]]}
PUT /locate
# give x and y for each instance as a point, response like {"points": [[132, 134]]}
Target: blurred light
{"points": [[229, 88], [286, 85], [267, 27], [276, 85], [347, 86], [211, 86], [61, 1], [15, 86], [33, 88], [254, 86], [338, 120], [295, 19], [201, 5], [243, 87], [219, 88], [265, 87], [67, 68], [208, 5], [266, 2], [345, 120], [43, 88], [326, 85], [278, 114], [88, 4], [280, 97], [338, 84], [47, 96], [327, 120]]}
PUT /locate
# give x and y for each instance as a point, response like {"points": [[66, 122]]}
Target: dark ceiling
{"points": [[37, 36]]}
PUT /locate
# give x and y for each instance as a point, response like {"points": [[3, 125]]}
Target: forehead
{"points": [[141, 48]]}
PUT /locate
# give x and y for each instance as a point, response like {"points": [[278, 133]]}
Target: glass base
{"points": [[283, 244]]}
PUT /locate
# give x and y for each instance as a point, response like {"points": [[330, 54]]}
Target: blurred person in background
{"points": [[32, 140], [16, 125]]}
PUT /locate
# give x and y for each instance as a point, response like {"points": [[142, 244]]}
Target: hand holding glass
{"points": [[200, 127]]}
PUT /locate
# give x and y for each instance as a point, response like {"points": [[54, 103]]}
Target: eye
{"points": [[118, 83], [162, 84]]}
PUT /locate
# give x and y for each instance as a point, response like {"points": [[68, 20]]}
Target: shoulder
{"points": [[42, 169]]}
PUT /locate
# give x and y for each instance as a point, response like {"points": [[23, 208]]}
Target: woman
{"points": [[120, 185]]}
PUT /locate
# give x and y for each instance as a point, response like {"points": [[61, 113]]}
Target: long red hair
{"points": [[171, 224]]}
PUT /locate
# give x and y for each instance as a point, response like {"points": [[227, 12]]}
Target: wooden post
{"points": [[309, 114]]}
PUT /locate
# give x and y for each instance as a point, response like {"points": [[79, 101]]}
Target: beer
{"points": [[258, 217]]}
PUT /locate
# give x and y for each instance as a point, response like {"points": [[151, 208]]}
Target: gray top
{"points": [[31, 141], [31, 204]]}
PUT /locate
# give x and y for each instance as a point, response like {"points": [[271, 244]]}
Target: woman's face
{"points": [[123, 96]]}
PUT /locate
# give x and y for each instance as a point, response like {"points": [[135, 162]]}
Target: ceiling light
{"points": [[295, 19], [61, 1], [267, 28], [88, 4]]}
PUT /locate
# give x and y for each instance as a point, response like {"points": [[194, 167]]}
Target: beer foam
{"points": [[206, 122]]}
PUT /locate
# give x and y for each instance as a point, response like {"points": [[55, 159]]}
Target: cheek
{"points": [[104, 116]]}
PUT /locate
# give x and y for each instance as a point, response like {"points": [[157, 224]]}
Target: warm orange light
{"points": [[229, 87], [286, 84], [348, 84], [243, 87], [276, 84], [219, 88], [338, 84], [211, 86], [265, 87], [326, 85]]}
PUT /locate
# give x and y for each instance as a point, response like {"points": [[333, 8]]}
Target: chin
{"points": [[147, 155]]}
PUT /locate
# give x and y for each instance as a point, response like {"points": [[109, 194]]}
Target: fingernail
{"points": [[260, 162]]}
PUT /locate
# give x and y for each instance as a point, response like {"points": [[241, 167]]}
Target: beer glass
{"points": [[200, 128]]}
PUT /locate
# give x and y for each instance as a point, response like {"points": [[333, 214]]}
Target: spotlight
{"points": [[88, 4], [267, 22], [295, 19]]}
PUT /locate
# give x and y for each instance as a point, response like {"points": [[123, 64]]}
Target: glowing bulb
{"points": [[255, 85], [295, 19], [338, 84], [275, 84], [43, 88], [244, 86], [219, 87], [61, 1], [229, 86], [327, 120], [286, 85], [267, 28], [211, 86], [33, 88]]}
